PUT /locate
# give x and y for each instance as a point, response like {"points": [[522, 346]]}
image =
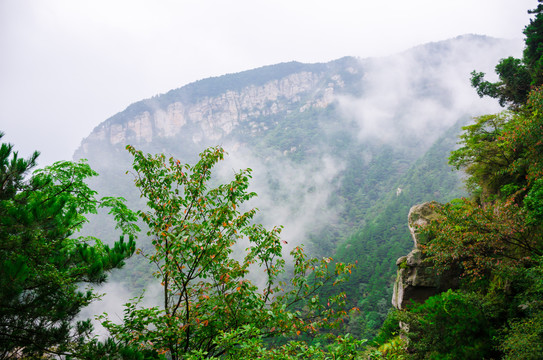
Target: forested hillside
{"points": [[492, 239], [270, 207], [329, 144], [385, 237]]}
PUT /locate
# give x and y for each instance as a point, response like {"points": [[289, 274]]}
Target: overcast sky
{"points": [[67, 65]]}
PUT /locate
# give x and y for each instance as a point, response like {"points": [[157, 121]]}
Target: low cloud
{"points": [[114, 296], [418, 94], [293, 194]]}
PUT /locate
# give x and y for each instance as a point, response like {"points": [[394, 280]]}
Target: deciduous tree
{"points": [[217, 303]]}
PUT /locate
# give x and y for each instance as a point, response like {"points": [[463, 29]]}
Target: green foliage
{"points": [[388, 344], [385, 235], [481, 239], [43, 266], [514, 84], [389, 330], [533, 52], [286, 137], [522, 337], [451, 325], [502, 152], [110, 349], [394, 349], [502, 155], [495, 240], [211, 307], [485, 154], [516, 75], [525, 134], [533, 202], [246, 343]]}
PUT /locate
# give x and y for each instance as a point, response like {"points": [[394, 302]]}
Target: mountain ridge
{"points": [[232, 98]]}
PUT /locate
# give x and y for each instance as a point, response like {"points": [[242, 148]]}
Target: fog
{"points": [[393, 107], [114, 296], [290, 194], [68, 65], [408, 99]]}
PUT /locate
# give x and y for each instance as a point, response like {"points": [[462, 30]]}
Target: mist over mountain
{"points": [[339, 150], [313, 133], [372, 91]]}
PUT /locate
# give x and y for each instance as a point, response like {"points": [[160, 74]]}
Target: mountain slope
{"points": [[363, 121], [329, 144]]}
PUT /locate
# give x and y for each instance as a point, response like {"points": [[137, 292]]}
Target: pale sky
{"points": [[68, 65]]}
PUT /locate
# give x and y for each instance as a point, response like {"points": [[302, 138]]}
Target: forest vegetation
{"points": [[303, 306], [494, 237]]}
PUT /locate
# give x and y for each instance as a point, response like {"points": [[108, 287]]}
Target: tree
{"points": [[517, 76], [502, 152], [495, 239], [210, 306], [481, 239], [484, 154], [514, 84], [523, 337], [502, 155], [42, 265], [450, 325], [533, 52], [525, 134]]}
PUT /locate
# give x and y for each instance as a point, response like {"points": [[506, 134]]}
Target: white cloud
{"points": [[68, 65], [299, 196], [392, 107]]}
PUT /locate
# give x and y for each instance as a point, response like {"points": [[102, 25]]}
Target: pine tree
{"points": [[42, 265], [533, 53], [517, 76]]}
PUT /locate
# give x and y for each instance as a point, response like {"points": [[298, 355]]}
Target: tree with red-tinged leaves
{"points": [[481, 239], [210, 307]]}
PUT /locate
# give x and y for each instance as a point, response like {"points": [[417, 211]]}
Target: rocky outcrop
{"points": [[417, 279], [213, 117]]}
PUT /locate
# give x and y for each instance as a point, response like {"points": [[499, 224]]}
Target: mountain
{"points": [[340, 150], [245, 104]]}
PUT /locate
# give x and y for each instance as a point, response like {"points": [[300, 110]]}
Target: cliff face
{"points": [[416, 278], [213, 117]]}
